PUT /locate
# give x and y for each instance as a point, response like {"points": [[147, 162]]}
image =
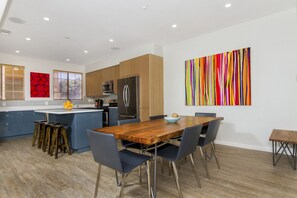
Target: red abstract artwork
{"points": [[39, 85]]}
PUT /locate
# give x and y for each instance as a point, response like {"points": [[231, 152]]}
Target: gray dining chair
{"points": [[105, 152], [204, 114], [209, 139], [174, 153], [127, 144], [204, 130], [155, 117]]}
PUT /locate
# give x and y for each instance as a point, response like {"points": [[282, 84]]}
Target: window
{"points": [[12, 82], [67, 85]]}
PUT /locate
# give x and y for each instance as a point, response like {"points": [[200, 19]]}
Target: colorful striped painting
{"points": [[220, 79]]}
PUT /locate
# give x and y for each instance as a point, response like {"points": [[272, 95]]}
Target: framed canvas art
{"points": [[39, 84], [220, 79]]}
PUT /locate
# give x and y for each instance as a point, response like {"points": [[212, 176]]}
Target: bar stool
{"points": [[36, 133], [48, 136], [59, 140]]}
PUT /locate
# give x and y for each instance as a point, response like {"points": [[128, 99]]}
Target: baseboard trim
{"points": [[245, 146]]}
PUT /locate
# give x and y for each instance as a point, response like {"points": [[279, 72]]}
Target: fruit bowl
{"points": [[68, 105], [172, 119]]}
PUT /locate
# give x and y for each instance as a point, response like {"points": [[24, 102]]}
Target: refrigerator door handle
{"points": [[128, 96], [124, 91], [126, 101]]}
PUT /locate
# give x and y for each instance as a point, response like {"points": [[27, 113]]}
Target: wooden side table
{"points": [[284, 138]]}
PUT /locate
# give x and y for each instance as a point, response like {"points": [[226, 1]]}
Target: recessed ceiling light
{"points": [[28, 39], [174, 26], [5, 32], [17, 51], [16, 20], [86, 51], [111, 40], [46, 18], [144, 7], [67, 59], [227, 5]]}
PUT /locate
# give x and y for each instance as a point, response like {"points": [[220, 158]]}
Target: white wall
{"points": [[42, 66], [273, 42]]}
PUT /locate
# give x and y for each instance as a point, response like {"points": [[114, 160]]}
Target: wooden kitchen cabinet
{"points": [[95, 80], [93, 84], [149, 68]]}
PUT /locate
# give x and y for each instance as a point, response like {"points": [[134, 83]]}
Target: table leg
{"points": [[294, 154], [154, 194], [273, 153]]}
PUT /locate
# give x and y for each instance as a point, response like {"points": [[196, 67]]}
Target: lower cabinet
{"points": [[18, 123], [113, 116]]}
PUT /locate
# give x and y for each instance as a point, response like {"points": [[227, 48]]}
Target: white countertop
{"points": [[66, 111], [24, 108]]}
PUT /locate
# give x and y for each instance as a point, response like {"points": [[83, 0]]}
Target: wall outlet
{"points": [[46, 103], [4, 104]]}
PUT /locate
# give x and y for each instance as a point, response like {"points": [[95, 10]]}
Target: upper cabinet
{"points": [[149, 68], [95, 80]]}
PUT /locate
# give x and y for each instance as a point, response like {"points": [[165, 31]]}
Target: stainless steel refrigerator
{"points": [[128, 98]]}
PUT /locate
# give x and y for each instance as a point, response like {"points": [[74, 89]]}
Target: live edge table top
{"points": [[280, 135], [154, 131]]}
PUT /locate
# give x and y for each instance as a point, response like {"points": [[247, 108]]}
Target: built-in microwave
{"points": [[107, 87]]}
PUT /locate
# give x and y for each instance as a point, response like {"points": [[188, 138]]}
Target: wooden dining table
{"points": [[155, 131]]}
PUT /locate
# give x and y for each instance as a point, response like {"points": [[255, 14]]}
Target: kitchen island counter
{"points": [[67, 111], [77, 120]]}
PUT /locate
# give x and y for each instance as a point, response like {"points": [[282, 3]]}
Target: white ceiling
{"points": [[91, 23]]}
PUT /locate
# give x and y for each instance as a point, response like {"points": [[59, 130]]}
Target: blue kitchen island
{"points": [[77, 120]]}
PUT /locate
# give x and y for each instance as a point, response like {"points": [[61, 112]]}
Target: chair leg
{"points": [[123, 183], [211, 154], [97, 182], [117, 178], [57, 143], [66, 141], [195, 172], [176, 179], [47, 132], [140, 177], [215, 155], [49, 140], [169, 168], [204, 162], [53, 142], [36, 131], [148, 177], [162, 165], [41, 134]]}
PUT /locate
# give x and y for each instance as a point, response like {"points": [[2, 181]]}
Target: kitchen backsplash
{"points": [[107, 99]]}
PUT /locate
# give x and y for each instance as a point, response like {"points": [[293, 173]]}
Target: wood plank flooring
{"points": [[26, 171]]}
